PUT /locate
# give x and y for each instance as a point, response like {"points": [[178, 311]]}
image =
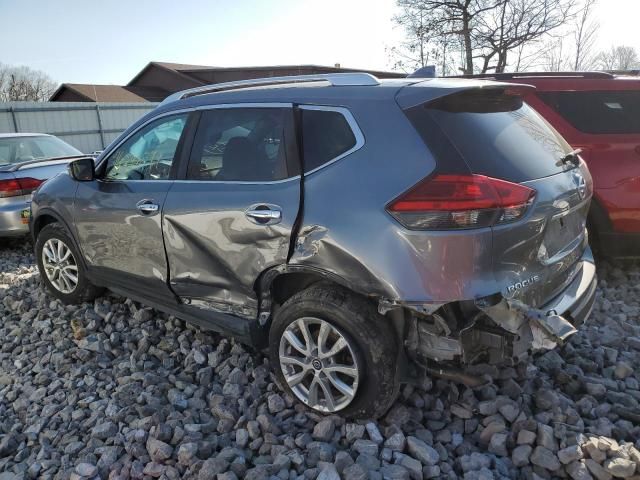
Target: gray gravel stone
{"points": [[355, 472], [394, 472], [520, 455], [498, 444], [86, 470], [104, 431], [597, 470], [396, 442], [367, 447], [525, 437], [276, 403], [421, 451], [374, 432], [570, 454], [545, 458], [323, 431], [578, 471], [158, 450]]}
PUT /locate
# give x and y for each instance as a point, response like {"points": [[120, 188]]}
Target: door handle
{"points": [[264, 214], [147, 206]]}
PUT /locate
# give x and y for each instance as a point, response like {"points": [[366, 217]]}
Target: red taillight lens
{"points": [[444, 202], [16, 187]]}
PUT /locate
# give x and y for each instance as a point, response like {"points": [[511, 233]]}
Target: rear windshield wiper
{"points": [[571, 157]]}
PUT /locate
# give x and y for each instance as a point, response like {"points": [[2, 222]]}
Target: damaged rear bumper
{"points": [[497, 330]]}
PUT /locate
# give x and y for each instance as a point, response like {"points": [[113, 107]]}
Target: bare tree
{"points": [[585, 35], [554, 56], [484, 32], [24, 84], [420, 31], [450, 25], [619, 58], [515, 23]]}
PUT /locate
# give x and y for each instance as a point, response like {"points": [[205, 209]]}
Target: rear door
{"points": [[118, 215], [231, 215], [495, 134]]}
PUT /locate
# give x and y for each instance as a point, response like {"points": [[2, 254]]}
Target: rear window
{"points": [[493, 133], [326, 135], [597, 112], [25, 148]]}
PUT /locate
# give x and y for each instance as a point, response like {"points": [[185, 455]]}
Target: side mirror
{"points": [[82, 170]]}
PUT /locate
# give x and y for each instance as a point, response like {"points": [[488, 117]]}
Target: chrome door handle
{"points": [[145, 206], [264, 214]]}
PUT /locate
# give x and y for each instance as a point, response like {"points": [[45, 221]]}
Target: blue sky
{"points": [[109, 41]]}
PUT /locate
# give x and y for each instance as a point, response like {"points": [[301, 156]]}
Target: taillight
{"points": [[16, 187], [445, 202]]}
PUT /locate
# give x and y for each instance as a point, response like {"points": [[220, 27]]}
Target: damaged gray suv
{"points": [[365, 232]]}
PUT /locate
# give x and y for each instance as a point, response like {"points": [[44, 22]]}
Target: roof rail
{"points": [[334, 79], [509, 76]]}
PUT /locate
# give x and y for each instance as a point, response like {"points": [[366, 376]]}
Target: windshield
{"points": [[24, 149]]}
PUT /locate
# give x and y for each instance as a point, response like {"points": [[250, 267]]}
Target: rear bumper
{"points": [[576, 301], [500, 331], [11, 222]]}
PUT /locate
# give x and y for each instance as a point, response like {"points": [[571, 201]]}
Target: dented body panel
{"points": [[216, 254]]}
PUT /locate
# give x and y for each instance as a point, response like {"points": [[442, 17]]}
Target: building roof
{"points": [[165, 78], [113, 93]]}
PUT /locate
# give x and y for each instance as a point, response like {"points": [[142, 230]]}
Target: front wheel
{"points": [[335, 353], [60, 267]]}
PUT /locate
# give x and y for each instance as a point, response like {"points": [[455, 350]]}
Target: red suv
{"points": [[599, 113]]}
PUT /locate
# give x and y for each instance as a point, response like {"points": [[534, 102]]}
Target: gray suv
{"points": [[365, 232]]}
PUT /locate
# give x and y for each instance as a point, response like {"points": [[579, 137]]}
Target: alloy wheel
{"points": [[319, 364], [60, 265]]}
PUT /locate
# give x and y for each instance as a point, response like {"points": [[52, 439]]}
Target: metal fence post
{"points": [[100, 129], [13, 118]]}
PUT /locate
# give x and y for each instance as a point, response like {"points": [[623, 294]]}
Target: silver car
{"points": [[365, 233], [27, 160]]}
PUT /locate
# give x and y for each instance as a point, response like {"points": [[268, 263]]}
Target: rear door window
{"points": [[597, 112], [242, 145], [326, 136], [496, 134]]}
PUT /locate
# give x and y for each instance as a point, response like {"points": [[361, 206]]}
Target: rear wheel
{"points": [[335, 353], [60, 267]]}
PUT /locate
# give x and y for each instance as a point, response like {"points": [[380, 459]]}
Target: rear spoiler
{"points": [[437, 88], [41, 162]]}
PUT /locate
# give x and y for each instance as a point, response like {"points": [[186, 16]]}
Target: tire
{"points": [[371, 348], [49, 239]]}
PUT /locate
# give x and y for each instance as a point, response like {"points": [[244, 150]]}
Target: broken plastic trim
{"points": [[512, 314], [385, 306], [492, 330]]}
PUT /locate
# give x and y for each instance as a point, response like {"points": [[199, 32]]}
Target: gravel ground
{"points": [[115, 390]]}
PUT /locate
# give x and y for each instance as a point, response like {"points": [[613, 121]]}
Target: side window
{"points": [[614, 112], [326, 135], [149, 153], [240, 144]]}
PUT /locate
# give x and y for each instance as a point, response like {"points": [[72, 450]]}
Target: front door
{"points": [[232, 215], [118, 216]]}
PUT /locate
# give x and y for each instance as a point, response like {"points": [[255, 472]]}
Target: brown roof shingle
{"points": [[114, 93]]}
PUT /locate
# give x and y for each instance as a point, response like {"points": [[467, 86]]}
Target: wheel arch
{"points": [[279, 283], [48, 216]]}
